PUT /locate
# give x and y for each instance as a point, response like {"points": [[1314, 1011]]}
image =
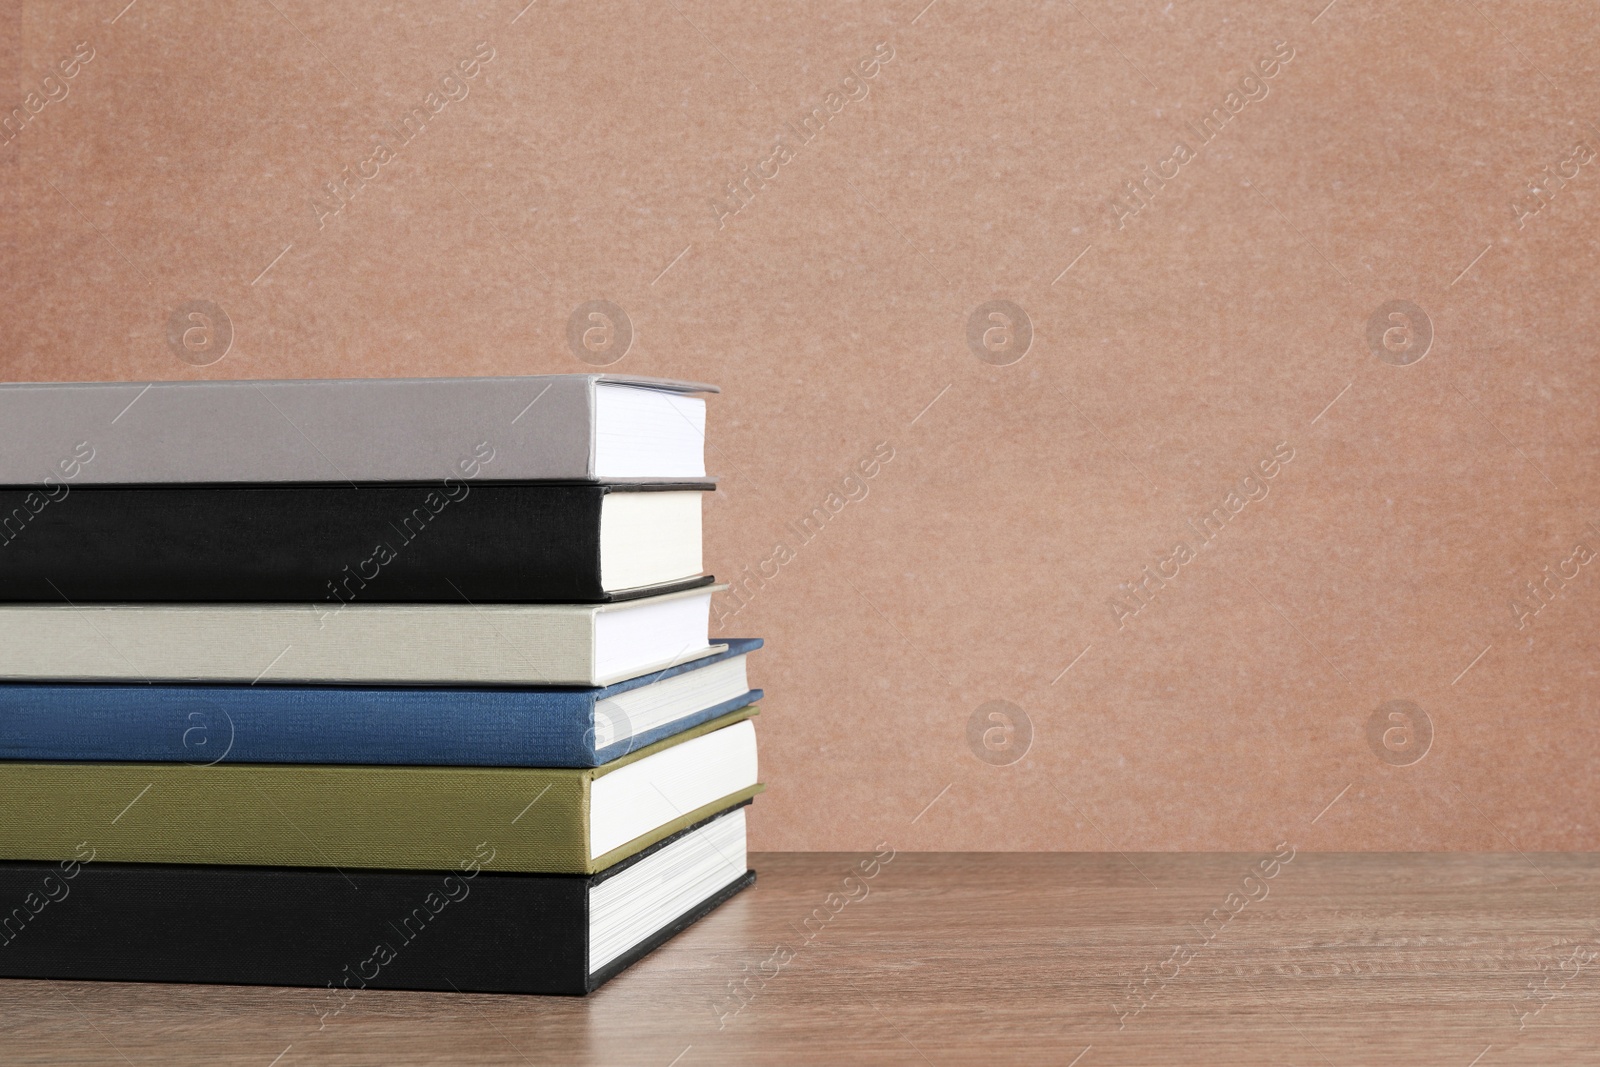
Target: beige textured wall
{"points": [[1175, 344]]}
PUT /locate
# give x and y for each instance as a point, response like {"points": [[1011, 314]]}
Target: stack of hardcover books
{"points": [[397, 684]]}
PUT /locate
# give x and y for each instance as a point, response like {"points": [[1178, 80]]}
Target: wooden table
{"points": [[1468, 960]]}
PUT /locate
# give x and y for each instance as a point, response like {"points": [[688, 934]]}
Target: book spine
{"points": [[329, 545], [465, 926], [372, 645], [404, 818], [378, 430], [206, 725]]}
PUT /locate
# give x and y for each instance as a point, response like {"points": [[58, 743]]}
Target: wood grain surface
{"points": [[1086, 959]]}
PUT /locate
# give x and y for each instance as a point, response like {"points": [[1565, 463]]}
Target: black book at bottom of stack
{"points": [[470, 930]]}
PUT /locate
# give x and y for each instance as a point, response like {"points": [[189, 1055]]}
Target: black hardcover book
{"points": [[440, 542], [468, 930]]}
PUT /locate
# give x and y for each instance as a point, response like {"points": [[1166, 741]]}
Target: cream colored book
{"points": [[375, 644]]}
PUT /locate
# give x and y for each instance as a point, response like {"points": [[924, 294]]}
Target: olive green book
{"points": [[568, 820]]}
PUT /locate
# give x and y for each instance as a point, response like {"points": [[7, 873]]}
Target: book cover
{"points": [[413, 818], [445, 542], [468, 927], [397, 726]]}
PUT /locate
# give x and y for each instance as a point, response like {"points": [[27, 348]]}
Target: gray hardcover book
{"points": [[559, 427]]}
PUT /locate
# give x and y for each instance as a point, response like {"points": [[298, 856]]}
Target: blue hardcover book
{"points": [[557, 726]]}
